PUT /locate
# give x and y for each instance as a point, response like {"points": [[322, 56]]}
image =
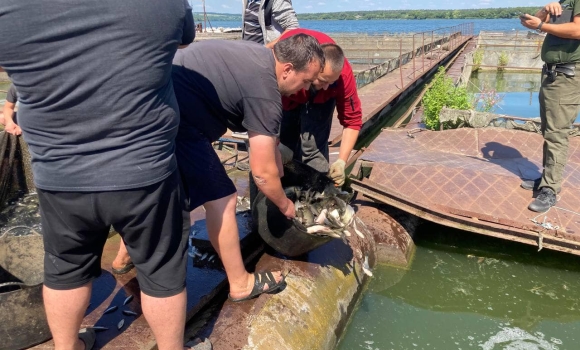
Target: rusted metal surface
{"points": [[469, 179]]}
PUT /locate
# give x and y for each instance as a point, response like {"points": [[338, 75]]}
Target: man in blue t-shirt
{"points": [[98, 112]]}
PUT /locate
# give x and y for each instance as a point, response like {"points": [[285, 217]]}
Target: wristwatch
{"points": [[539, 29]]}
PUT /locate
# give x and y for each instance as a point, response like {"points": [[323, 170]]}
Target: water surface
{"points": [[464, 291], [378, 26], [518, 92]]}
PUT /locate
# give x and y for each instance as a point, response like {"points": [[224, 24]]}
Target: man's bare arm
{"points": [[263, 154], [349, 137], [9, 125]]}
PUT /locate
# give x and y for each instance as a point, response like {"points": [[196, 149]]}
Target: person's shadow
{"points": [[510, 159]]}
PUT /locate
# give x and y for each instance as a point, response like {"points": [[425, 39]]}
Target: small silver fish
{"points": [[109, 310], [318, 228], [130, 313], [99, 328], [121, 323], [203, 256], [128, 300], [211, 258], [357, 230], [366, 268]]}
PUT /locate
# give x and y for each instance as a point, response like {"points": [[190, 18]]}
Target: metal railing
{"points": [[429, 46]]}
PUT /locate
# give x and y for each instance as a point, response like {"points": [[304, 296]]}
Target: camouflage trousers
{"points": [[559, 105]]}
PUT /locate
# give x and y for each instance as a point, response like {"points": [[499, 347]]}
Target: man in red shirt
{"points": [[308, 114]]}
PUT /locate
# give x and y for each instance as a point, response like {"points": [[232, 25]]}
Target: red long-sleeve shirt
{"points": [[348, 104]]}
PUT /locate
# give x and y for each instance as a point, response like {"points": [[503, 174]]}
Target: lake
{"points": [[397, 26]]}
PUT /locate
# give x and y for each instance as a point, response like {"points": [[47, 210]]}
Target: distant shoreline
{"points": [[488, 13]]}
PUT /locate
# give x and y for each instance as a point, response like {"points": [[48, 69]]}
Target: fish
{"points": [[356, 230], [120, 324], [318, 228], [130, 313], [203, 256], [111, 309], [99, 328], [348, 215], [321, 217], [128, 300], [366, 268]]}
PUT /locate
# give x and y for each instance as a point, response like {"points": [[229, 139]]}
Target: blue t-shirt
{"points": [[97, 106]]}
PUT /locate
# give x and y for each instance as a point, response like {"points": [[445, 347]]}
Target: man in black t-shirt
{"points": [[237, 85], [98, 112], [9, 112]]}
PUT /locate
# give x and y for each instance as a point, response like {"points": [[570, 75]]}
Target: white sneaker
{"points": [[240, 135]]}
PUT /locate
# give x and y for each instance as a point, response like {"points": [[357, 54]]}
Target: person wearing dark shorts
{"points": [[99, 114], [308, 113], [9, 112], [237, 85]]}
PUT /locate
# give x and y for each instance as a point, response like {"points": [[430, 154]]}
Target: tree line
{"points": [[491, 13], [487, 13]]}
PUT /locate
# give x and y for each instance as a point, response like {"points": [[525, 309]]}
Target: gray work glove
{"points": [[336, 172]]}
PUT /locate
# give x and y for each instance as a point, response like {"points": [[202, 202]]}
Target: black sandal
{"points": [[123, 270], [198, 344], [260, 280], [88, 336]]}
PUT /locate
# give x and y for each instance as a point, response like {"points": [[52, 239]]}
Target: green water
{"points": [[465, 291]]}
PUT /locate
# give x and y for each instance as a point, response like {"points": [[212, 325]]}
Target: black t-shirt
{"points": [[227, 84], [97, 107], [12, 95]]}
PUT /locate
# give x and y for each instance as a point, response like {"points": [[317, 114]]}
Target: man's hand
{"points": [[530, 22], [336, 172], [553, 8], [289, 211], [12, 128]]}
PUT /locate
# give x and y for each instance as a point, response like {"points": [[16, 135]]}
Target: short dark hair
{"points": [[300, 50], [334, 56]]}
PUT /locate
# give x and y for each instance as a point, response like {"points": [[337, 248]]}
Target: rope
{"points": [[11, 284], [547, 225], [15, 227]]}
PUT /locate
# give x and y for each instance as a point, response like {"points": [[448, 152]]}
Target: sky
{"points": [[310, 6]]}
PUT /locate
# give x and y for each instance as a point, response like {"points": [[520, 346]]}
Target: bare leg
{"points": [[166, 317], [223, 234], [122, 258], [65, 310]]}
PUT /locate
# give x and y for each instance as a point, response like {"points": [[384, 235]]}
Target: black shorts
{"points": [[150, 219], [203, 175]]}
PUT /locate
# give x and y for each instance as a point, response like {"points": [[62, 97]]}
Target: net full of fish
{"points": [[324, 213]]}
